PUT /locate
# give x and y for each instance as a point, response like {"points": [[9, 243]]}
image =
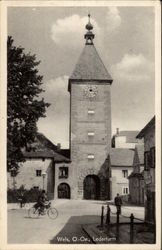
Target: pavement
{"points": [[142, 234], [68, 228]]}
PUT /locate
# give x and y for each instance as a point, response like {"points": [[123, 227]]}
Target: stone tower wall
{"points": [[82, 123]]}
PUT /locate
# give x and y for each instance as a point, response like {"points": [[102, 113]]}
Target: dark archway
{"points": [[91, 187], [64, 191]]}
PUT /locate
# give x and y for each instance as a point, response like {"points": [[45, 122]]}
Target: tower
{"points": [[90, 123]]}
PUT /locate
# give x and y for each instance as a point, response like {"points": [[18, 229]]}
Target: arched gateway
{"points": [[91, 187], [64, 191]]}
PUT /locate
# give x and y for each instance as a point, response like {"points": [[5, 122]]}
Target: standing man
{"points": [[118, 203]]}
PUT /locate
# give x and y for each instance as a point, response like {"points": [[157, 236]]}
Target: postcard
{"points": [[80, 125]]}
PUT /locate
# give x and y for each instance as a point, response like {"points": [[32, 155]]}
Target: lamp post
{"points": [[44, 175], [13, 174]]}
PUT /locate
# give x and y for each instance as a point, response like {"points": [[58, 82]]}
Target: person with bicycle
{"points": [[43, 207], [118, 203], [42, 201]]}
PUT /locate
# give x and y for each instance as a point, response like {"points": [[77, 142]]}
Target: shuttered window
{"points": [[152, 155], [147, 160]]}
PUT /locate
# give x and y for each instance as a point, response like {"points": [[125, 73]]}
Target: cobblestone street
{"points": [[67, 228]]}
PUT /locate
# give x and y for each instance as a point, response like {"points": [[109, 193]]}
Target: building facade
{"points": [[148, 133], [38, 171], [121, 168]]}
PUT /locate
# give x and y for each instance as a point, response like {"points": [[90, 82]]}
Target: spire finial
{"points": [[89, 36], [89, 15]]}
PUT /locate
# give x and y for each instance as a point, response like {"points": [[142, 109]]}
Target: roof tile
{"points": [[90, 66], [122, 157]]}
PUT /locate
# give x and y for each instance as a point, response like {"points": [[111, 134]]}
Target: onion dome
{"points": [[89, 26], [89, 36]]}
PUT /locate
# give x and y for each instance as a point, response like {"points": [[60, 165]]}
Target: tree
{"points": [[24, 104]]}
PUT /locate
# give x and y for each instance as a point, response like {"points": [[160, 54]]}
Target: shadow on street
{"points": [[72, 232]]}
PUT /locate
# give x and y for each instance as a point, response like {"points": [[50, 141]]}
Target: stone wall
{"points": [[27, 175]]}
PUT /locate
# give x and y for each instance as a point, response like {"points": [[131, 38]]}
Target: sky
{"points": [[124, 39]]}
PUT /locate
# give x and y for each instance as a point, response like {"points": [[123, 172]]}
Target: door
{"points": [[64, 191], [91, 187]]}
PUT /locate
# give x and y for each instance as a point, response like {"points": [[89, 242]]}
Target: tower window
{"points": [[91, 112], [90, 133], [90, 156]]}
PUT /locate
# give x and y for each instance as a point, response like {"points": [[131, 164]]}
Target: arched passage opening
{"points": [[64, 191], [91, 187]]}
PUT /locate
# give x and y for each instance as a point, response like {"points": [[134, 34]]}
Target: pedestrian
{"points": [[118, 203]]}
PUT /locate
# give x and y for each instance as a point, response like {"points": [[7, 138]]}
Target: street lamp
{"points": [[13, 174], [44, 175]]}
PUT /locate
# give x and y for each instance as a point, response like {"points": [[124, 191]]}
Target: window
{"points": [[36, 187], [90, 134], [152, 153], [125, 173], [91, 112], [90, 157], [38, 172], [147, 160], [125, 190], [63, 172]]}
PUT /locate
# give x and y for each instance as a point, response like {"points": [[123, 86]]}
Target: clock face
{"points": [[90, 90]]}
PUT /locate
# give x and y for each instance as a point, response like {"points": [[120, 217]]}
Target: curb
{"points": [[88, 235], [98, 236]]}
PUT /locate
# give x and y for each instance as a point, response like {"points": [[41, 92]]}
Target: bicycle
{"points": [[35, 212]]}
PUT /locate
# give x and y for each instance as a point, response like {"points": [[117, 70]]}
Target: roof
{"points": [[46, 154], [44, 148], [65, 152], [140, 151], [122, 157], [137, 175], [130, 135], [149, 125], [90, 66]]}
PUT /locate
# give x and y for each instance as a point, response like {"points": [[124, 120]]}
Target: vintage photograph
{"points": [[81, 125]]}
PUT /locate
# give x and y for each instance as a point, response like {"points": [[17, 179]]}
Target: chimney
{"points": [[58, 146], [117, 131]]}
